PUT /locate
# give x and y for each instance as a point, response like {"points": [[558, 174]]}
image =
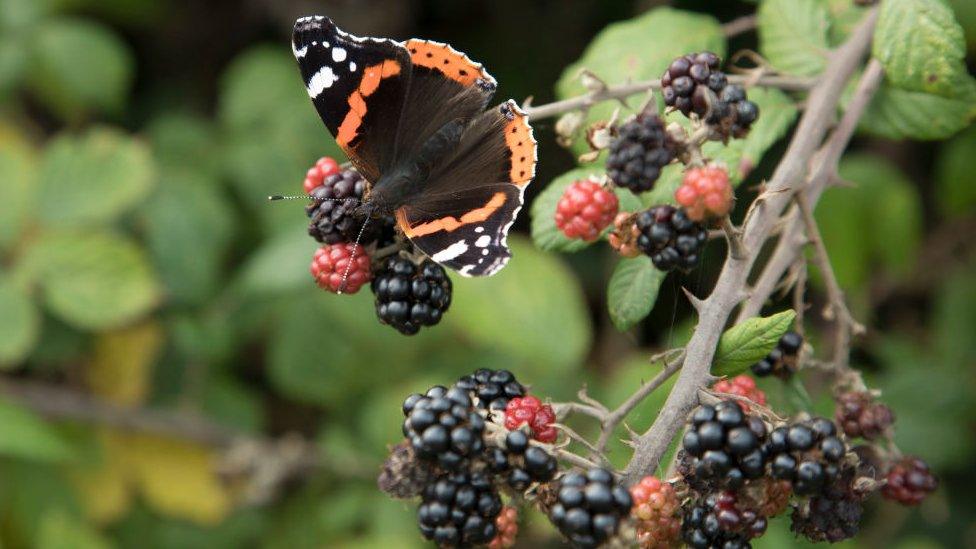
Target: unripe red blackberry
{"points": [[520, 463], [806, 453], [859, 416], [442, 425], [589, 507], [909, 482], [657, 512], [705, 193], [694, 83], [507, 526], [743, 386], [725, 446], [529, 410], [669, 238], [323, 168], [721, 520], [832, 515], [331, 264], [459, 510], [585, 209], [640, 151], [410, 296], [491, 389], [782, 360], [333, 213]]}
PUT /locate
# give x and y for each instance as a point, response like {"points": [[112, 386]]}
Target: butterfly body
{"points": [[412, 119]]}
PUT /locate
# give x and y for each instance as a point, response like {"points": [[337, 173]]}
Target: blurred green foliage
{"points": [[141, 264]]}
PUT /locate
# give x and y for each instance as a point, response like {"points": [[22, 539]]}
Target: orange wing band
{"points": [[372, 76], [450, 223], [452, 63], [519, 139]]}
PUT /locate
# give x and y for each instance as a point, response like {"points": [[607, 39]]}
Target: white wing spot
{"points": [[479, 229], [484, 252], [450, 252], [352, 66], [338, 54], [320, 81], [483, 241]]}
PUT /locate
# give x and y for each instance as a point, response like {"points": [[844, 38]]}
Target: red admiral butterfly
{"points": [[411, 118]]}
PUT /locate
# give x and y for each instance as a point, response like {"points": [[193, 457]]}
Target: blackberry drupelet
{"points": [[670, 239], [410, 296], [520, 463], [720, 521], [725, 446], [459, 510], [782, 360], [589, 507], [442, 425], [333, 213], [491, 389], [807, 453], [859, 416], [640, 151]]}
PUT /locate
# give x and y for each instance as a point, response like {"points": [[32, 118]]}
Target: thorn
{"points": [[695, 302]]}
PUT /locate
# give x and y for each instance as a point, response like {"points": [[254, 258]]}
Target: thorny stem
{"points": [[734, 237]]}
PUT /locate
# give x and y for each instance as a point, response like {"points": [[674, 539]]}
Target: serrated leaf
{"points": [[793, 35], [26, 436], [78, 65], [745, 344], [639, 49], [94, 177], [19, 322], [632, 290], [955, 179], [545, 234], [903, 114], [93, 280]]}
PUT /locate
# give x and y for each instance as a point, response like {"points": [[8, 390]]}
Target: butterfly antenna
{"points": [[352, 258], [276, 197]]}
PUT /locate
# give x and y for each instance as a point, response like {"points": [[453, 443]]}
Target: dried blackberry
{"points": [[859, 416]]}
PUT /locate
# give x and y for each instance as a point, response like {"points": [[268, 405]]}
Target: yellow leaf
{"points": [[103, 488], [121, 367]]}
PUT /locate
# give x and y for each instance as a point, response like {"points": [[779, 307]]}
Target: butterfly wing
{"points": [[358, 86], [462, 216]]}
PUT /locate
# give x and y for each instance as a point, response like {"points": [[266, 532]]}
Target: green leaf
{"points": [[59, 530], [954, 177], [232, 403], [279, 265], [94, 177], [639, 49], [793, 35], [19, 323], [545, 234], [632, 291], [95, 280], [24, 435], [17, 172], [745, 344], [78, 66], [185, 141], [533, 309], [965, 11], [903, 114]]}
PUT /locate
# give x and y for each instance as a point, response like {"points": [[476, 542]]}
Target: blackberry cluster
{"points": [[808, 454], [640, 151], [410, 296], [721, 521], [459, 510], [589, 507], [520, 463], [909, 482], [670, 239], [333, 211], [491, 389], [834, 514], [725, 446], [443, 426], [693, 83], [859, 416], [781, 361]]}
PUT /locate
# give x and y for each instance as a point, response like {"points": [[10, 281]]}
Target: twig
{"points": [[739, 25], [730, 288], [622, 91], [734, 237], [799, 292], [562, 409]]}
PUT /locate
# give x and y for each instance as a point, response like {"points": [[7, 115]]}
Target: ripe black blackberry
{"points": [[589, 507], [834, 514], [693, 83], [333, 212], [721, 520], [640, 151], [807, 453], [443, 426], [491, 389], [520, 463], [410, 296], [782, 360], [724, 445], [670, 239], [459, 510], [859, 416]]}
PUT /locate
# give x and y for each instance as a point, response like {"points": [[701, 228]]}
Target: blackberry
{"points": [[859, 416], [443, 426], [909, 482], [520, 463], [341, 268], [834, 514], [721, 521], [670, 239], [491, 389], [585, 210], [589, 507], [459, 510], [507, 526], [705, 193], [724, 446], [693, 83], [324, 167], [657, 512], [529, 410], [743, 386], [640, 151], [807, 453], [782, 360], [410, 296], [333, 214]]}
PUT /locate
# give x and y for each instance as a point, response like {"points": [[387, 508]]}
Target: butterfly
{"points": [[413, 118]]}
